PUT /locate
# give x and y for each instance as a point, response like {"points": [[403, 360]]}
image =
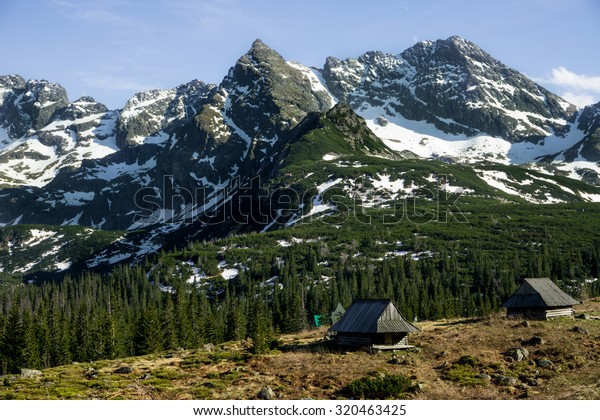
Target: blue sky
{"points": [[110, 49]]}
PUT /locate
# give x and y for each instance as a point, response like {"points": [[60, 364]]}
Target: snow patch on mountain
{"points": [[33, 161], [38, 236], [115, 170], [427, 141]]}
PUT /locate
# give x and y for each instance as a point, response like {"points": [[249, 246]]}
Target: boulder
{"points": [[123, 370], [444, 366], [580, 330], [467, 361], [517, 353], [90, 373], [544, 363], [30, 373], [533, 341], [507, 380], [266, 394], [420, 386]]}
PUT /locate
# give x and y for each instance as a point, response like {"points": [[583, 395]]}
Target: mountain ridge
{"points": [[140, 168]]}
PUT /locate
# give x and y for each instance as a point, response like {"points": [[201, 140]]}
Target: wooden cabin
{"points": [[539, 299], [372, 323]]}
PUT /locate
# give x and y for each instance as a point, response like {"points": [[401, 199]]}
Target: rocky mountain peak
{"points": [[12, 82], [28, 106], [266, 95], [454, 85], [259, 59], [81, 108], [355, 130], [261, 51], [41, 99], [154, 115], [86, 99]]}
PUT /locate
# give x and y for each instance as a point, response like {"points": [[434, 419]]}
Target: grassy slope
{"points": [[303, 368]]}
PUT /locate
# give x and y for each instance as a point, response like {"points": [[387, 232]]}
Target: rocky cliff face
{"points": [[589, 123], [584, 154]]}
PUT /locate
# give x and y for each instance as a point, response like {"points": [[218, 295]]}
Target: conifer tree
{"points": [[148, 334], [259, 327], [13, 341]]}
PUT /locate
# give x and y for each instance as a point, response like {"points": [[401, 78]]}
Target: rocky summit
{"points": [[453, 85], [169, 157]]}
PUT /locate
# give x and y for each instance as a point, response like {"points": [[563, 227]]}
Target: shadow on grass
{"points": [[322, 346], [460, 322]]}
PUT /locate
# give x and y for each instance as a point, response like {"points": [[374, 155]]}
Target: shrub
{"points": [[464, 375], [467, 361], [392, 386]]}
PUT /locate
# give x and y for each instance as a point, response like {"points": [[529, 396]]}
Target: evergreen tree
{"points": [[148, 334], [13, 341], [259, 327], [169, 325]]}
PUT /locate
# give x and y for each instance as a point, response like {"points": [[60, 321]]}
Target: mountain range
{"points": [[262, 149]]}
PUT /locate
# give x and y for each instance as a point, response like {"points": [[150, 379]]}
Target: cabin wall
{"points": [[527, 313], [366, 340], [390, 338], [353, 340]]}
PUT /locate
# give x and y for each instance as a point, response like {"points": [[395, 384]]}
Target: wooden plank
{"points": [[553, 313], [392, 346]]}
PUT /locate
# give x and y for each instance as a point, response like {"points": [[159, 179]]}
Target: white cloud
{"points": [[565, 77], [579, 89], [579, 100]]}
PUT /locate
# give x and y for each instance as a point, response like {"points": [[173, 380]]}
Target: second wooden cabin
{"points": [[539, 298], [373, 323]]}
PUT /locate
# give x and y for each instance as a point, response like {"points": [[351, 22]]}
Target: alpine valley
{"points": [[205, 214]]}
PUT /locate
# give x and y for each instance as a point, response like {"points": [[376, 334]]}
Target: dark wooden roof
{"points": [[539, 293], [373, 316]]}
